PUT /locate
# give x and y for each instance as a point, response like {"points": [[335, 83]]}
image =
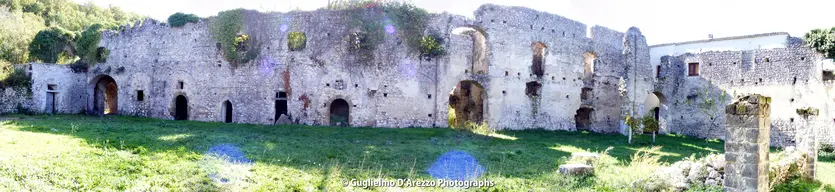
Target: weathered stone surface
{"points": [[748, 123], [576, 169], [283, 120]]}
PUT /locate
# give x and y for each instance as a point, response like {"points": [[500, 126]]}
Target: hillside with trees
{"points": [[53, 30]]}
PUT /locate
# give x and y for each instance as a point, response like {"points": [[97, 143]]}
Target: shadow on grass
{"points": [[361, 152]]}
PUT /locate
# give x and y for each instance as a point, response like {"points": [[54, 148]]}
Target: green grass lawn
{"points": [[80, 153]]}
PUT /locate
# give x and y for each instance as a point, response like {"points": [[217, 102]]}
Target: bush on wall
{"points": [[296, 41], [179, 19], [227, 29], [365, 16], [430, 46], [87, 45]]}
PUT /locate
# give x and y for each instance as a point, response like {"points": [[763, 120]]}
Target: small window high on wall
{"points": [[693, 69]]}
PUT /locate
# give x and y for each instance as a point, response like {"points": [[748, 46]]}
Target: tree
{"points": [[710, 104], [179, 19], [822, 41], [88, 43], [17, 29], [50, 43]]}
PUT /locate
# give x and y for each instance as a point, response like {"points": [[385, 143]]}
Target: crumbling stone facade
{"points": [[523, 69], [792, 76]]}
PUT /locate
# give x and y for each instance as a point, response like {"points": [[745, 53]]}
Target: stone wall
{"points": [[394, 88], [12, 99], [728, 74]]}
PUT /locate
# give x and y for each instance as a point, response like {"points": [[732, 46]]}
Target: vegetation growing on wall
{"points": [[17, 78], [228, 30], [374, 19], [87, 46], [49, 43], [430, 46], [808, 111], [179, 19], [822, 41], [21, 20], [296, 41]]}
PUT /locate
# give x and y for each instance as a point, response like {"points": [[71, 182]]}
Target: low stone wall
{"points": [[12, 99]]}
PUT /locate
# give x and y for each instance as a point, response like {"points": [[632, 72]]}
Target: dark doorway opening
{"points": [[106, 96], [583, 118], [281, 108], [466, 104], [537, 65], [339, 113], [181, 108], [227, 112]]}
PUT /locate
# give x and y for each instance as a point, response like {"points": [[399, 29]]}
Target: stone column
{"points": [[807, 139], [748, 125]]}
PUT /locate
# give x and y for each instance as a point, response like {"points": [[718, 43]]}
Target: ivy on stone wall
{"points": [[87, 45], [228, 30], [375, 19], [430, 46], [808, 111], [296, 41], [179, 19]]}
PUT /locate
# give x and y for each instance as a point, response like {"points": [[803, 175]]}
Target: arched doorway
{"points": [[105, 96], [227, 112], [340, 113], [656, 106], [466, 104], [583, 118], [181, 108]]}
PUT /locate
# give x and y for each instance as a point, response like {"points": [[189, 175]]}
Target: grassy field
{"points": [[80, 153]]}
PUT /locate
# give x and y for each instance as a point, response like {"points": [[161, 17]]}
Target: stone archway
{"points": [[340, 113], [105, 96], [227, 111], [656, 106], [180, 108], [466, 103], [480, 49]]}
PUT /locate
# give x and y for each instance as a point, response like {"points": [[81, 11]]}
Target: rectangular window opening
{"points": [[51, 87], [180, 85], [140, 95], [658, 71], [693, 69], [281, 95]]}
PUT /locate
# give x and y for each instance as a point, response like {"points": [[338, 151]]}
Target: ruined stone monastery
{"points": [[510, 67]]}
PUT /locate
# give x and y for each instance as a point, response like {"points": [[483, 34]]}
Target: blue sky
{"points": [[661, 21]]}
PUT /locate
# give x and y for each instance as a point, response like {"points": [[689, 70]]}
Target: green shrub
{"points": [[17, 78], [87, 46], [408, 20], [296, 41], [227, 29], [650, 123], [827, 147], [430, 46], [179, 19], [799, 185], [34, 7], [49, 43]]}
